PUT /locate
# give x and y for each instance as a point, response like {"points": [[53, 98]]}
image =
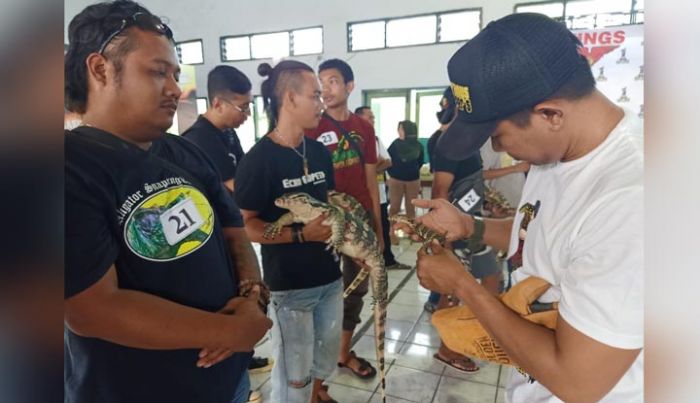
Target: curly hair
{"points": [[87, 31]]}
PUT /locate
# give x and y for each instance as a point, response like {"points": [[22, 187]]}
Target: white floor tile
{"points": [[410, 298], [501, 397], [411, 384], [398, 330], [347, 394], [419, 357], [424, 334], [404, 312], [488, 373], [453, 390]]}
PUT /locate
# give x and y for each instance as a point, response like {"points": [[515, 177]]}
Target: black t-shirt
{"points": [[222, 146], [269, 171], [408, 170], [460, 169], [432, 142], [157, 215]]}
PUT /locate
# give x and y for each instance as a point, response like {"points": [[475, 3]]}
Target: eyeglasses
{"points": [[242, 109], [142, 20]]}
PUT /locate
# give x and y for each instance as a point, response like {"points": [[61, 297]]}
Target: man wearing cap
{"points": [[522, 82]]}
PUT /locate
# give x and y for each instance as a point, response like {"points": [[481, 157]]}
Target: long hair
{"points": [[409, 148]]}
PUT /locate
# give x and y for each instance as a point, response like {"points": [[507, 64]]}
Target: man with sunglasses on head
{"points": [[214, 131], [163, 297]]}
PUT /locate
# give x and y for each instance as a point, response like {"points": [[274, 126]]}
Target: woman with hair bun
{"points": [[304, 277]]}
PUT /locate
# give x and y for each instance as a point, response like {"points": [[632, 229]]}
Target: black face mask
{"points": [[445, 116]]}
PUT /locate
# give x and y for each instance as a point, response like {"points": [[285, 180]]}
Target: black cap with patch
{"points": [[512, 64]]}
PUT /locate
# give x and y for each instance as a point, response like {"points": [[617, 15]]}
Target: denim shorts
{"points": [[305, 338]]}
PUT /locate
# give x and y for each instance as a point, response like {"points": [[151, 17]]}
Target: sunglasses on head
{"points": [[142, 20]]}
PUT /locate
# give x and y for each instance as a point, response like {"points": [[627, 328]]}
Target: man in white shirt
{"points": [[522, 82], [501, 174]]}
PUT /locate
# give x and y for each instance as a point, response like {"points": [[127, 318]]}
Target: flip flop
{"points": [[319, 400], [364, 366], [455, 364]]}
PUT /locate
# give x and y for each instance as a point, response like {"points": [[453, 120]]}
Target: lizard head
{"points": [[297, 202]]}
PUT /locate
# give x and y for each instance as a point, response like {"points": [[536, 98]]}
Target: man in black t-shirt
{"points": [[154, 247], [214, 131], [304, 276], [462, 184]]}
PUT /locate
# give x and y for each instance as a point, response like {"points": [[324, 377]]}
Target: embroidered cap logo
{"points": [[461, 93]]}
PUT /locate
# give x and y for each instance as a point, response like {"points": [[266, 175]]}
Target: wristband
{"points": [[296, 234], [477, 237]]}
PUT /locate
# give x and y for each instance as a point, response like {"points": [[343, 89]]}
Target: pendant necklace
{"points": [[301, 154]]}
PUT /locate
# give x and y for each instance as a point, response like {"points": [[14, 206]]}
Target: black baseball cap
{"points": [[512, 64], [447, 113]]}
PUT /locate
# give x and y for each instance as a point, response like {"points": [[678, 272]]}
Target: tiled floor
{"points": [[412, 374]]}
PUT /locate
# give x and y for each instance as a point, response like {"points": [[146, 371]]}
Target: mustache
{"points": [[169, 104]]}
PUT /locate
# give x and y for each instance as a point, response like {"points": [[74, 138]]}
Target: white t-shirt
{"points": [[511, 185], [586, 239], [382, 154]]}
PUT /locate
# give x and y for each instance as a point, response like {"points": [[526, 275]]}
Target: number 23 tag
{"points": [[328, 138], [180, 220]]}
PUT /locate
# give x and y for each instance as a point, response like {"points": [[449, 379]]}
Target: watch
{"points": [[477, 237]]}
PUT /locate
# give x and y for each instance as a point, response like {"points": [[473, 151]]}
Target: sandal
{"points": [[364, 366], [318, 397], [463, 364]]}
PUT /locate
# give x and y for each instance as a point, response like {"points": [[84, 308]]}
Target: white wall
{"points": [[418, 66]]}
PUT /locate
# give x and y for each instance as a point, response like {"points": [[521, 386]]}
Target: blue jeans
{"points": [[243, 390], [305, 338], [434, 298]]}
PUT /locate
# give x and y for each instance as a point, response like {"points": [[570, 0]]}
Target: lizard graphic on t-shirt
{"points": [[529, 212], [344, 155]]}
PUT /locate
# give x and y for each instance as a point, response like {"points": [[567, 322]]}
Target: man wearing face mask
{"points": [[462, 183]]}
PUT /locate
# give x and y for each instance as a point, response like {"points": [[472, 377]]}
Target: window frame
{"points": [[386, 20], [632, 12], [177, 45], [290, 44]]}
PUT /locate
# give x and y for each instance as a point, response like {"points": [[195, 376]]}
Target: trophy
{"points": [[601, 75], [623, 57], [623, 97], [640, 76], [641, 111]]}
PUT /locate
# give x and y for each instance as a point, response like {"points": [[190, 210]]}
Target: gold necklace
{"points": [[301, 154]]}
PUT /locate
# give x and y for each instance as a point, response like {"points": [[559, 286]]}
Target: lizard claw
{"points": [[271, 231]]}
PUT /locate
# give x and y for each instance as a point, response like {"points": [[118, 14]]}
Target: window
{"points": [[368, 35], [589, 14], [553, 10], [448, 26], [392, 106], [190, 52], [270, 45], [237, 48], [411, 31], [462, 25], [201, 105], [305, 41], [261, 122]]}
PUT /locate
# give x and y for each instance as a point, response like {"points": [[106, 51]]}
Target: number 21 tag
{"points": [[180, 220]]}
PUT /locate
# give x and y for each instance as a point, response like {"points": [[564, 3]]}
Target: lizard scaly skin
{"points": [[426, 234]]}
